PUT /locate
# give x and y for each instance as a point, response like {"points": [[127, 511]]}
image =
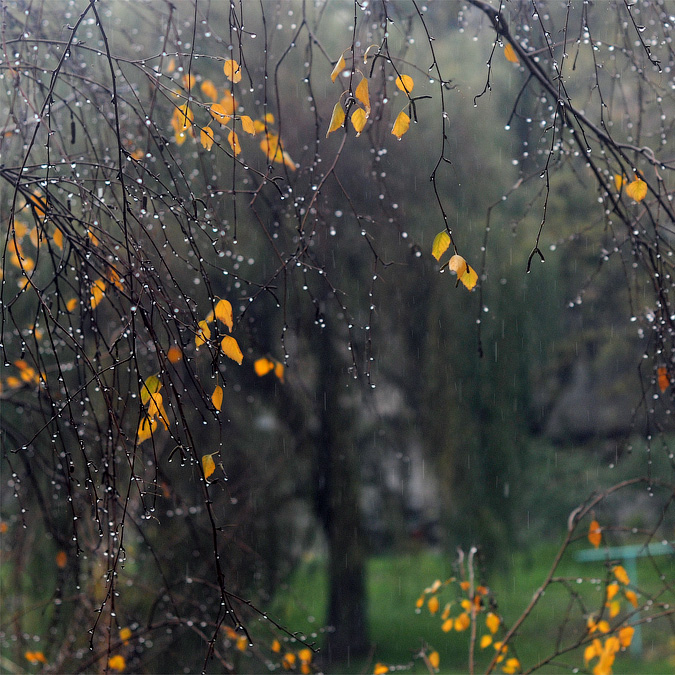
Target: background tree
{"points": [[220, 307]]}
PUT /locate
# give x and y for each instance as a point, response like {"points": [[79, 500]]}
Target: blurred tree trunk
{"points": [[337, 501]]}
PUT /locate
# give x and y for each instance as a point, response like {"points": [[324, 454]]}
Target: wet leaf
{"points": [[209, 90], [637, 190], [362, 95], [626, 636], [208, 465], [263, 366], [242, 643], [276, 646], [231, 349], [188, 81], [232, 70], [156, 409], [339, 67], [612, 590], [206, 137], [57, 238], [510, 54], [595, 533], [146, 428], [359, 120], [441, 244], [61, 559], [233, 140], [269, 118], [125, 634], [174, 354], [663, 379], [305, 655], [621, 575], [248, 125], [405, 83], [619, 181], [97, 292], [462, 622], [614, 609], [223, 312], [401, 125], [485, 641], [337, 118], [631, 597], [151, 386], [380, 669], [217, 397], [219, 113], [117, 663], [433, 604], [511, 666], [447, 625], [35, 657], [279, 372], [492, 622], [203, 334]]}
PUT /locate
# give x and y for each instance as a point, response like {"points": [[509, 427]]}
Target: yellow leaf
{"points": [[263, 366], [146, 428], [233, 140], [206, 137], [405, 83], [279, 372], [288, 661], [434, 659], [248, 125], [339, 66], [114, 279], [631, 597], [492, 622], [151, 386], [447, 625], [441, 244], [512, 665], [433, 604], [125, 634], [58, 238], [626, 636], [305, 655], [97, 292], [619, 181], [223, 312], [182, 118], [336, 119], [458, 265], [217, 397], [462, 622], [71, 304], [156, 409], [117, 663], [592, 651], [188, 81], [39, 204], [603, 626], [231, 349], [203, 334], [174, 354], [232, 70], [208, 465], [380, 669], [485, 641], [401, 125], [419, 602], [359, 120], [286, 158], [362, 95], [276, 646], [614, 608], [469, 278], [209, 90], [219, 113], [620, 574], [510, 54], [612, 590], [595, 533], [637, 190], [269, 118]]}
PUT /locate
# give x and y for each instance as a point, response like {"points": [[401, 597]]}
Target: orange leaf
{"points": [[247, 125], [125, 634], [434, 659], [462, 622], [117, 663], [223, 312], [631, 597], [209, 90], [279, 372], [492, 622], [380, 669], [206, 138], [58, 238], [232, 70], [305, 655], [174, 354], [217, 397], [263, 366], [620, 574], [405, 83], [626, 636], [433, 604], [339, 66], [663, 379], [276, 646], [97, 292], [231, 349], [61, 559], [447, 625], [208, 465], [510, 54], [595, 533], [401, 125]]}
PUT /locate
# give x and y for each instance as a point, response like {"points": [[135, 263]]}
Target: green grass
{"points": [[397, 631]]}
